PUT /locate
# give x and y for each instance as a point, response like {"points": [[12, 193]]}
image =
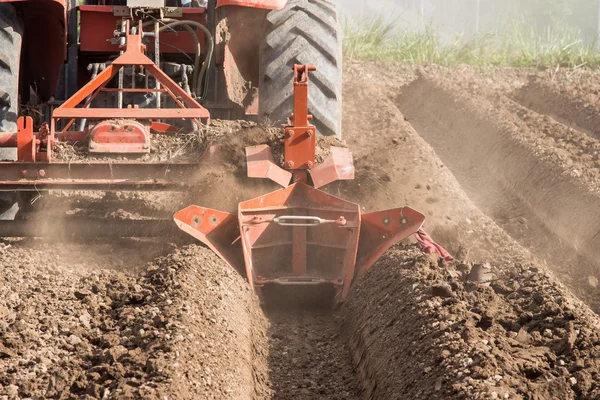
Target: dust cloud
{"points": [[467, 18]]}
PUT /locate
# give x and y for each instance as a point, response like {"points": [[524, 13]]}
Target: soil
{"points": [[503, 163], [425, 330], [78, 324], [307, 358]]}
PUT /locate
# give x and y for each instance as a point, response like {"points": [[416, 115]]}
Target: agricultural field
{"points": [[503, 159]]}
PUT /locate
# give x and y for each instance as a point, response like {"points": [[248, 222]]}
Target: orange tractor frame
{"points": [[300, 235]]}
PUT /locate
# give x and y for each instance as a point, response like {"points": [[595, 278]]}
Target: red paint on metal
{"points": [[323, 252], [129, 113], [26, 142], [132, 56], [261, 165], [23, 139], [299, 249], [264, 4], [100, 171], [300, 136], [216, 229], [32, 185], [120, 137], [337, 166], [382, 229], [97, 24], [72, 137], [164, 127]]}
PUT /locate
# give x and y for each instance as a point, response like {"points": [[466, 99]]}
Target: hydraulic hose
{"points": [[199, 75]]}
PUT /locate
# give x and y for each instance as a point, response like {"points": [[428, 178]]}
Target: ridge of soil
{"points": [[419, 329], [70, 328]]}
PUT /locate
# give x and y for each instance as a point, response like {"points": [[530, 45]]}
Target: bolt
{"points": [[310, 164], [309, 133], [24, 173], [289, 164], [42, 173], [289, 133]]}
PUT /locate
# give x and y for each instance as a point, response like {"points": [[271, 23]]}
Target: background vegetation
{"points": [[542, 33]]}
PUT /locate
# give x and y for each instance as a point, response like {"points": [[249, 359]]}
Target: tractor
{"points": [[232, 58], [112, 75]]}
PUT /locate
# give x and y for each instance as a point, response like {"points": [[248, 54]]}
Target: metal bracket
{"points": [[259, 160], [338, 166]]}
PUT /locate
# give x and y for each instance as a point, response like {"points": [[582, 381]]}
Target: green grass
{"points": [[517, 46]]}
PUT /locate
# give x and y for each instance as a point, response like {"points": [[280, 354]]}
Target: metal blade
{"points": [[338, 166], [381, 230], [261, 165], [217, 229]]}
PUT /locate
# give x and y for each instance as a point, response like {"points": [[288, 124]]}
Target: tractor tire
{"points": [[11, 30], [304, 32]]}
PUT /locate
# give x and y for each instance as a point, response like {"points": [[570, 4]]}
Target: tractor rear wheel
{"points": [[304, 32], [10, 54]]}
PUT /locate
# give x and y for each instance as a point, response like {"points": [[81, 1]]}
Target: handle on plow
{"points": [[310, 221]]}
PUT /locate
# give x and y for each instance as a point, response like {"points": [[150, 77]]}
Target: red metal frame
{"points": [[300, 253], [36, 170], [97, 24], [300, 235], [300, 137], [132, 56], [95, 175]]}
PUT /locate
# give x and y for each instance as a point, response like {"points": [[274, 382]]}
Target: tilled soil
{"points": [[307, 358], [503, 177], [76, 324], [534, 176], [442, 141], [423, 330]]}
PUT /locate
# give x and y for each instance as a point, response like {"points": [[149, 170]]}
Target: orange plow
{"points": [[300, 235]]}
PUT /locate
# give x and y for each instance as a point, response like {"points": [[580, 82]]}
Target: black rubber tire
{"points": [[304, 32], [11, 31], [10, 56]]}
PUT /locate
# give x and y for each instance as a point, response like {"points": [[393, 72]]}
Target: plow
{"points": [[299, 235]]}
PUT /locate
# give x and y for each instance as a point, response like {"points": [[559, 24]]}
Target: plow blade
{"points": [[381, 230], [299, 236], [338, 166], [218, 230], [261, 165]]}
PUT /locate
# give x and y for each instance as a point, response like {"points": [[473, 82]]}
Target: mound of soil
{"points": [[422, 330], [559, 103], [71, 327]]}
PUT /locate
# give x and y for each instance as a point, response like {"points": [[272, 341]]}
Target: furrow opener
{"points": [[300, 235]]}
